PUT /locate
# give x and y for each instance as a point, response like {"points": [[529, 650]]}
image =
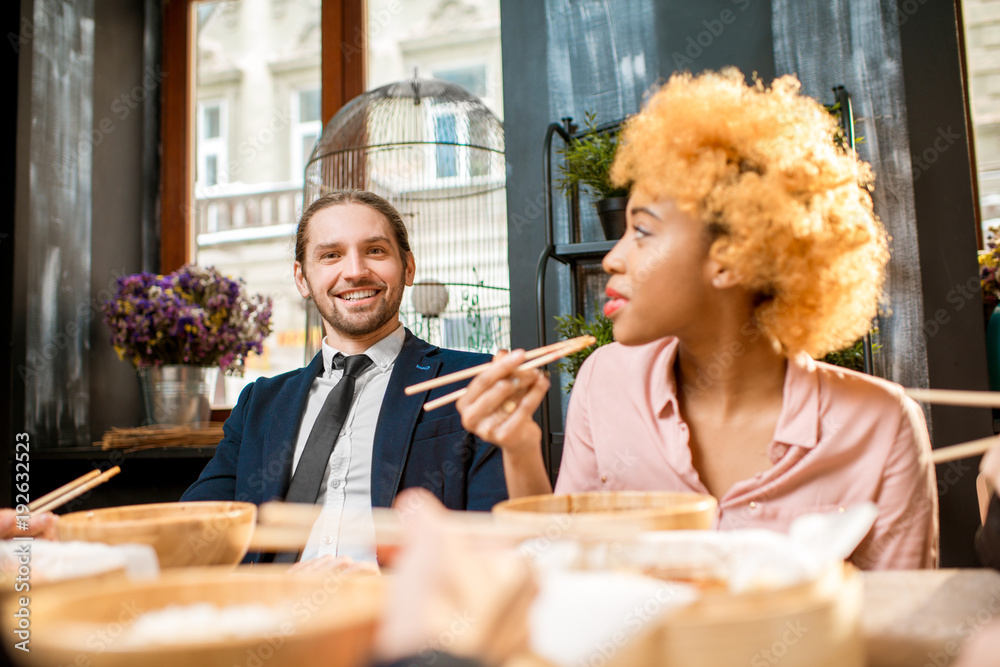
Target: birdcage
{"points": [[437, 153]]}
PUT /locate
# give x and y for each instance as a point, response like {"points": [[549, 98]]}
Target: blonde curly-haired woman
{"points": [[751, 250]]}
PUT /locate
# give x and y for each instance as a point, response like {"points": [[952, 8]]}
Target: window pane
{"points": [[473, 79], [450, 194], [447, 156], [211, 119], [308, 105], [431, 37], [257, 73], [479, 159], [211, 170], [308, 143]]}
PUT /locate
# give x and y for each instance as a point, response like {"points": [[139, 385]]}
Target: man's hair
{"points": [[785, 205], [362, 197]]}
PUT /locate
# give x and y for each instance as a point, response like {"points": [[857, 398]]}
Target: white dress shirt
{"points": [[345, 492]]}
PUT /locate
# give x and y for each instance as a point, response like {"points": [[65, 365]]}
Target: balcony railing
{"points": [[267, 205]]}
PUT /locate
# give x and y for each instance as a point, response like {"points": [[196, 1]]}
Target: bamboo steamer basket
{"points": [[334, 620], [183, 534], [617, 511], [812, 624]]}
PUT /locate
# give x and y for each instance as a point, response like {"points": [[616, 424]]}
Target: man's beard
{"points": [[362, 324]]}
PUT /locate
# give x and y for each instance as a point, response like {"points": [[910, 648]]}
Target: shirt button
{"points": [[329, 539], [335, 483], [604, 478], [753, 505]]}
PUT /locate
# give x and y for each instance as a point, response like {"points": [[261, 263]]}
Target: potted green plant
{"points": [[587, 162], [852, 357], [571, 326]]}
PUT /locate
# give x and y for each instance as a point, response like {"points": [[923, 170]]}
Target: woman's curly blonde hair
{"points": [[788, 208]]}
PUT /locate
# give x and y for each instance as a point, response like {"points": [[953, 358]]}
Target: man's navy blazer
{"points": [[253, 463]]}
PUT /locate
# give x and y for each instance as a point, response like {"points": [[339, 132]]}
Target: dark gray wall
{"points": [[122, 90], [118, 189], [712, 34], [946, 227], [526, 115]]}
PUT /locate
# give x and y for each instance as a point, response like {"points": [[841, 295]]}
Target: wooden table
{"points": [[924, 617]]}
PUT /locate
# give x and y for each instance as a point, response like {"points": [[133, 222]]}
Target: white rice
{"points": [[206, 622]]}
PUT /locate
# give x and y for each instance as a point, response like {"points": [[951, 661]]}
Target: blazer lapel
{"points": [[287, 409], [398, 418]]}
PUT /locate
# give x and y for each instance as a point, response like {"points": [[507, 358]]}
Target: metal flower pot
{"points": [[611, 211], [177, 394]]}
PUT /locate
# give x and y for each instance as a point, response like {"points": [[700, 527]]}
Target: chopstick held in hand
{"points": [[476, 370], [561, 350]]}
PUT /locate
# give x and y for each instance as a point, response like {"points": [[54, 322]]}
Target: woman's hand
{"points": [[499, 407], [500, 403]]}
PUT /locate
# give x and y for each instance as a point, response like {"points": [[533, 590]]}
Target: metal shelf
{"points": [[589, 250], [98, 454], [569, 254]]}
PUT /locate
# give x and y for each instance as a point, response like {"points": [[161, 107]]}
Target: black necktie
{"points": [[304, 487], [308, 477]]}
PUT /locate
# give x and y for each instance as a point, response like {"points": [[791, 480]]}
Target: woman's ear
{"points": [[720, 275], [723, 277]]}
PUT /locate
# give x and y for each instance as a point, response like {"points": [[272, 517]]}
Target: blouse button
{"points": [[604, 478], [753, 505]]}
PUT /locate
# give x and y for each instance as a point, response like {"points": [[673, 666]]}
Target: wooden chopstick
{"points": [[965, 398], [279, 513], [972, 399], [77, 490], [287, 526], [82, 479], [569, 347], [434, 383], [964, 450]]}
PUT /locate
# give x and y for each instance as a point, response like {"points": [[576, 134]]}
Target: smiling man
{"points": [[340, 432]]}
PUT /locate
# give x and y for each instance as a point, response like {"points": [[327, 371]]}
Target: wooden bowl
{"points": [[183, 534], [617, 511], [811, 624], [332, 620]]}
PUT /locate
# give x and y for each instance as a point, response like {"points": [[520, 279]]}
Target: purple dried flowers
{"points": [[989, 271], [192, 316]]}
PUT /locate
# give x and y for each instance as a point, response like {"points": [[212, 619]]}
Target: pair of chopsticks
{"points": [[533, 359], [972, 399], [71, 490]]}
